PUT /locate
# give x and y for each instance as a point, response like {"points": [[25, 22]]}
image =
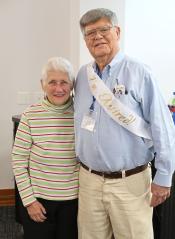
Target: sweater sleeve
{"points": [[20, 161]]}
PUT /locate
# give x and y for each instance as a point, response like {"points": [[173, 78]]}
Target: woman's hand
{"points": [[36, 212]]}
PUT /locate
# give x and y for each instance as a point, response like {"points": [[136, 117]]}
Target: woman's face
{"points": [[57, 87]]}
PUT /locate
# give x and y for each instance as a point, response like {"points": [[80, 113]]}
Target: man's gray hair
{"points": [[94, 15], [58, 64]]}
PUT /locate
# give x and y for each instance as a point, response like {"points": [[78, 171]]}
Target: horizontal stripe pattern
{"points": [[43, 157]]}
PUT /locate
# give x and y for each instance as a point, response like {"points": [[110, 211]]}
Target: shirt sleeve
{"points": [[157, 114], [20, 161]]}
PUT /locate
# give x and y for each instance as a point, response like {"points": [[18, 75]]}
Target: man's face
{"points": [[57, 87], [102, 39]]}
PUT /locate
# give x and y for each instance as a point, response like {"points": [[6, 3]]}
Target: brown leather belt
{"points": [[118, 174]]}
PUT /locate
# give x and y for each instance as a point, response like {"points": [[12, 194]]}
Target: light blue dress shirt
{"points": [[111, 147]]}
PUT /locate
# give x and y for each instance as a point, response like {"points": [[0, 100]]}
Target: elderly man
{"points": [[121, 120]]}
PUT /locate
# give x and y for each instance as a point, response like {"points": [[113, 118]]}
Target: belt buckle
{"points": [[103, 174], [123, 174]]}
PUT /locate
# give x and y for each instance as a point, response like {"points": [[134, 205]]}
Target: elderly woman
{"points": [[43, 158]]}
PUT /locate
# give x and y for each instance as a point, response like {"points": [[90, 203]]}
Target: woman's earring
{"points": [[72, 94]]}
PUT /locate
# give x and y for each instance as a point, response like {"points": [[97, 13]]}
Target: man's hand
{"points": [[159, 194], [36, 211]]}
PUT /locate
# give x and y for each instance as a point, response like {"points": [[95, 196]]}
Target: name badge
{"points": [[119, 89], [88, 123]]}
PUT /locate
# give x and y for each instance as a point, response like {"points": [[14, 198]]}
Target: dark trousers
{"points": [[61, 222]]}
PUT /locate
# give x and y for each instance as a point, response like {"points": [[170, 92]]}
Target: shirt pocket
{"points": [[128, 100], [140, 183]]}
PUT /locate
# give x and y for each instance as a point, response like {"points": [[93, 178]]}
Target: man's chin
{"points": [[101, 52]]}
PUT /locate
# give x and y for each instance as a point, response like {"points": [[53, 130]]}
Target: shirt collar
{"points": [[117, 58]]}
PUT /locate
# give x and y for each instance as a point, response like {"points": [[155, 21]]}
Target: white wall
{"points": [[150, 36], [31, 31]]}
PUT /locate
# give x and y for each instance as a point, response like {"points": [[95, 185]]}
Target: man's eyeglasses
{"points": [[103, 31]]}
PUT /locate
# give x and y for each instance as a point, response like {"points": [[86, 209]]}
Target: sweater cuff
{"points": [[28, 200]]}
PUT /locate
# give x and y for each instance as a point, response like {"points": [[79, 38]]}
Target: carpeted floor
{"points": [[9, 229]]}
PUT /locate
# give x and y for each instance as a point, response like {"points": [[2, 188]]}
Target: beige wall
{"points": [[31, 31]]}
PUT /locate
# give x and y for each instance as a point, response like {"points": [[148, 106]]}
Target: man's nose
{"points": [[98, 34]]}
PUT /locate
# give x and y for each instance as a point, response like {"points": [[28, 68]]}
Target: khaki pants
{"points": [[115, 206]]}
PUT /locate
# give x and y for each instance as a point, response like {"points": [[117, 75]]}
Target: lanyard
{"points": [[91, 108]]}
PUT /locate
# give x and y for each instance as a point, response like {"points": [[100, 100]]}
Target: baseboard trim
{"points": [[7, 197]]}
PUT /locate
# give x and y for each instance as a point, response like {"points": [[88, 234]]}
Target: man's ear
{"points": [[118, 31]]}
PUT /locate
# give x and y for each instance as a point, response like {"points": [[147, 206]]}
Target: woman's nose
{"points": [[58, 87]]}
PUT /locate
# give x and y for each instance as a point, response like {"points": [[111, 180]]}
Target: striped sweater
{"points": [[43, 155]]}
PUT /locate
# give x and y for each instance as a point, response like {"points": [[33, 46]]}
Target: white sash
{"points": [[117, 110]]}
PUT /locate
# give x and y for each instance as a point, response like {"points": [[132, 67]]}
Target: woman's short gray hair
{"points": [[96, 14], [58, 64]]}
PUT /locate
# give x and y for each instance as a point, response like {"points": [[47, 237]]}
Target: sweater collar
{"points": [[66, 108]]}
